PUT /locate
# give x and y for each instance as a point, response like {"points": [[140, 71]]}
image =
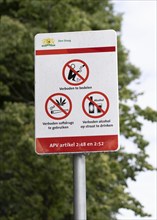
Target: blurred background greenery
{"points": [[41, 187]]}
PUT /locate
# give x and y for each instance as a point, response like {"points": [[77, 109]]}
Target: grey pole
{"points": [[79, 187]]}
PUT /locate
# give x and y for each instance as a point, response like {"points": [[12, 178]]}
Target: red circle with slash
{"points": [[83, 79], [103, 111], [51, 99]]}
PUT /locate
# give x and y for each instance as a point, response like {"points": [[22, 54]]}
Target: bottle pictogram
{"points": [[91, 105], [95, 104]]}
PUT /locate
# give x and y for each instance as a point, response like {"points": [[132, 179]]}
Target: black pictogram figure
{"points": [[75, 72], [72, 75]]}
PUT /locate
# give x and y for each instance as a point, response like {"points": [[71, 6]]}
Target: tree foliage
{"points": [[40, 187]]}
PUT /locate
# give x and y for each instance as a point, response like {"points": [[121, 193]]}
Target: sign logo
{"points": [[75, 72], [95, 104], [48, 42], [58, 106]]}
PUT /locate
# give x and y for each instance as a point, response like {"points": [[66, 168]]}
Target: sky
{"points": [[139, 37]]}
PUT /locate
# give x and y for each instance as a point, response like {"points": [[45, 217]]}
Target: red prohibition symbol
{"points": [[58, 106], [95, 104], [75, 72]]}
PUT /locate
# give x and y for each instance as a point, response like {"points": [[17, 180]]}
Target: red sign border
{"points": [[46, 103], [96, 92], [63, 72]]}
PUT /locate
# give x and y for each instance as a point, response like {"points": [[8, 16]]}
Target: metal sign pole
{"points": [[79, 170]]}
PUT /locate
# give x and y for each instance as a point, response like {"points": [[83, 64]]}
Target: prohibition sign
{"points": [[57, 101], [75, 72], [101, 110]]}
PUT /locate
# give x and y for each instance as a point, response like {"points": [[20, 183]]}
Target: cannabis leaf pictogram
{"points": [[61, 102]]}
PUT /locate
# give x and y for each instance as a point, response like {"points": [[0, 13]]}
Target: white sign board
{"points": [[76, 92]]}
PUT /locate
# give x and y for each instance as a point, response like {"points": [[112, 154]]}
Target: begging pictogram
{"points": [[58, 106], [75, 72], [95, 104]]}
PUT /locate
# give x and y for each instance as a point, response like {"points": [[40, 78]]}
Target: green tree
{"points": [[40, 187]]}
